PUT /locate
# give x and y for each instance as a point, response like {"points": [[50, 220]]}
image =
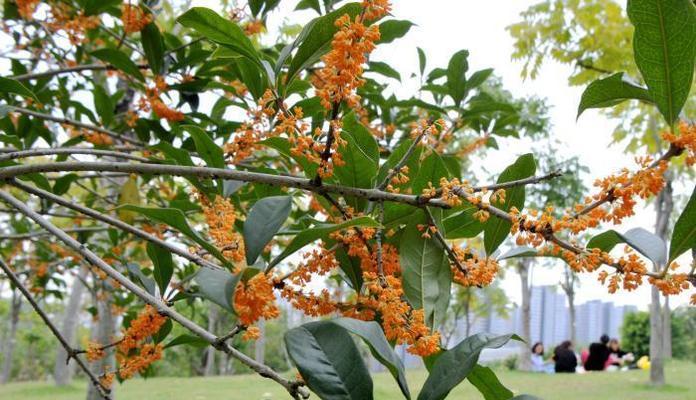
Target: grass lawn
{"points": [[596, 386]]}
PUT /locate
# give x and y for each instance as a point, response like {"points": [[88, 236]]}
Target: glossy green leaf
{"points": [[488, 384], [104, 105], [611, 91], [497, 229], [177, 220], [384, 69], [463, 224], [264, 220], [186, 339], [140, 278], [315, 40], [455, 365], [62, 184], [218, 286], [153, 46], [329, 361], [120, 61], [645, 242], [456, 75], [664, 47], [684, 234], [393, 29], [361, 156], [8, 85], [163, 265], [311, 234], [382, 351], [523, 251], [206, 148], [425, 273], [220, 30]]}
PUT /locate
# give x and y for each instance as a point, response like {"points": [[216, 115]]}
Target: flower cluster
{"points": [[74, 23], [134, 18], [343, 65], [26, 8], [477, 271], [254, 299], [220, 215], [685, 141], [133, 353], [152, 101], [247, 136]]}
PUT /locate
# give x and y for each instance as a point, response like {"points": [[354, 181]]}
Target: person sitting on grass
{"points": [[565, 358], [538, 363], [617, 357], [599, 354]]}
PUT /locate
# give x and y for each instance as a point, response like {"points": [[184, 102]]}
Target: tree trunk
{"points": [[103, 333], [667, 328], [63, 371], [525, 363], [260, 345], [210, 350], [467, 312], [568, 286], [11, 338], [663, 207]]}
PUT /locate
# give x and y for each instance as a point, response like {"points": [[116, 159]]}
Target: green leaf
{"points": [[206, 148], [664, 47], [684, 234], [153, 45], [455, 365], [393, 29], [456, 75], [104, 105], [218, 286], [425, 273], [176, 219], [315, 40], [381, 350], [384, 69], [186, 339], [329, 361], [311, 234], [120, 61], [145, 281], [62, 184], [497, 229], [463, 224], [307, 4], [163, 265], [645, 242], [220, 30], [484, 379], [523, 251], [611, 91], [263, 221], [421, 60], [361, 156], [8, 85], [477, 79]]}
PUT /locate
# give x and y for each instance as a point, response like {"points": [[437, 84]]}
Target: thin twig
{"points": [[78, 68], [448, 249], [33, 235], [114, 222], [71, 150], [104, 392], [78, 124]]}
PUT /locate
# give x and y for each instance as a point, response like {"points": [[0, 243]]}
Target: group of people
{"points": [[603, 355]]}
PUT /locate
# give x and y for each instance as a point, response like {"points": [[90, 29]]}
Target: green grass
{"points": [[595, 386]]}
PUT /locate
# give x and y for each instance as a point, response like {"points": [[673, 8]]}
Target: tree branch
{"points": [[78, 68], [78, 124], [293, 388], [114, 222], [70, 150]]}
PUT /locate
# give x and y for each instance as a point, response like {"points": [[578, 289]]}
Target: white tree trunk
{"points": [[11, 338], [103, 333], [63, 371], [210, 351], [525, 363], [667, 328], [663, 206]]}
